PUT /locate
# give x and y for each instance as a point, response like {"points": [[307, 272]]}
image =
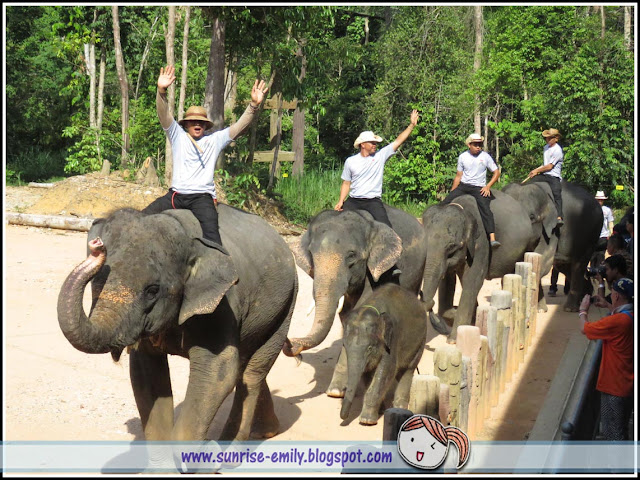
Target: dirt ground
{"points": [[54, 392]]}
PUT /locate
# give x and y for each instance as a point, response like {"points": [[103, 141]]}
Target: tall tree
{"points": [[124, 88], [477, 62], [214, 91], [185, 54]]}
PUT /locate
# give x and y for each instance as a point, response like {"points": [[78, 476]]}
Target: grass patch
{"points": [[34, 165]]}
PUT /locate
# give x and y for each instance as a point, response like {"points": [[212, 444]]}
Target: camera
{"points": [[593, 271]]}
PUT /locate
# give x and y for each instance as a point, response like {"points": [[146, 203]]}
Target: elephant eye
{"points": [[151, 291], [352, 258]]}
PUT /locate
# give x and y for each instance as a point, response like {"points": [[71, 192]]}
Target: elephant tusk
{"points": [[312, 305], [340, 304]]}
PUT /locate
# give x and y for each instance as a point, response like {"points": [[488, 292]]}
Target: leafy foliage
{"points": [[366, 67]]}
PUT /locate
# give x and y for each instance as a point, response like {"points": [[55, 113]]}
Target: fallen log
{"points": [[40, 185], [50, 221]]}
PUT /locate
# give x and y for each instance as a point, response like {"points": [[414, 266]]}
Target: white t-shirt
{"points": [[474, 169], [608, 217], [365, 173], [555, 156], [192, 170]]}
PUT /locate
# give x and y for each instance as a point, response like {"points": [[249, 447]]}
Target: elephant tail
{"points": [[287, 349]]}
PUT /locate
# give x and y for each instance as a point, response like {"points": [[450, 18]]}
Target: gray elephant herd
{"points": [[158, 288]]}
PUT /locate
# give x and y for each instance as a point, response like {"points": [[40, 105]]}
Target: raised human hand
{"points": [[585, 303], [414, 117], [166, 78], [258, 91]]}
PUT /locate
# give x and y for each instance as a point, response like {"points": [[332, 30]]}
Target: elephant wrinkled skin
{"points": [[457, 245], [577, 238], [348, 254], [384, 340], [159, 288]]}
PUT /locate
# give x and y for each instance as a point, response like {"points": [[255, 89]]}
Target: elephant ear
{"points": [[387, 331], [549, 219], [471, 234], [385, 249], [210, 275], [302, 255]]}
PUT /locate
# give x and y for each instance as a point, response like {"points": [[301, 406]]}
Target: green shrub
{"points": [[34, 165]]}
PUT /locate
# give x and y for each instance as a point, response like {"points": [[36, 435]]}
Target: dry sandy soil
{"points": [[54, 392]]}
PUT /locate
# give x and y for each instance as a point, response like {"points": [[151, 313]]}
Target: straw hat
{"points": [[367, 136], [473, 138], [600, 195], [196, 113], [552, 132]]}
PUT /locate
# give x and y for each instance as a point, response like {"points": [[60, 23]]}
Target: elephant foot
{"points": [[542, 306], [368, 418], [265, 428], [570, 308], [336, 392]]}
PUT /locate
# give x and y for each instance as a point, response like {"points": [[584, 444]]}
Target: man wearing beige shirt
{"points": [[195, 153]]}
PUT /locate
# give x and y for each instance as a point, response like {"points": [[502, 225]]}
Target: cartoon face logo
{"points": [[423, 442]]}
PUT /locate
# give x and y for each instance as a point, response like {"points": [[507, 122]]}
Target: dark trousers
{"points": [[372, 205], [615, 413], [201, 205], [556, 189], [484, 203]]}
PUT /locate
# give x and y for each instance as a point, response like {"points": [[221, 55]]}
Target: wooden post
{"points": [[535, 259], [448, 367], [502, 300], [514, 284], [469, 342], [425, 395]]}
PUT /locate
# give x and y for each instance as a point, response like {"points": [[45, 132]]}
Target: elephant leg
{"points": [[211, 378], [542, 302], [472, 282], [446, 292], [403, 390], [152, 390], [405, 378], [578, 285], [375, 394], [252, 413], [338, 384]]}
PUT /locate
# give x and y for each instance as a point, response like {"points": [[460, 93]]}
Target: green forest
{"points": [[81, 84]]}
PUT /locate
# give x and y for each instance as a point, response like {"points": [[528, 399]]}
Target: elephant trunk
{"points": [[355, 368], [326, 296], [80, 331], [434, 271]]}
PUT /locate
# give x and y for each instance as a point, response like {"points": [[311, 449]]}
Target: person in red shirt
{"points": [[615, 379]]}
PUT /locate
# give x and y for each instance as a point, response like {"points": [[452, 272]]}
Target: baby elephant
{"points": [[384, 339]]}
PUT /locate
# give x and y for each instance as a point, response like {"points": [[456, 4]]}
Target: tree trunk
{"points": [[274, 165], [145, 54], [477, 62], [185, 51], [602, 18], [214, 93], [298, 142], [627, 29], [124, 87], [171, 91], [90, 59], [100, 102]]}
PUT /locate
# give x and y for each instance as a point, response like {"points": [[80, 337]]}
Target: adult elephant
{"points": [[348, 254], [160, 288], [577, 238], [457, 246]]}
